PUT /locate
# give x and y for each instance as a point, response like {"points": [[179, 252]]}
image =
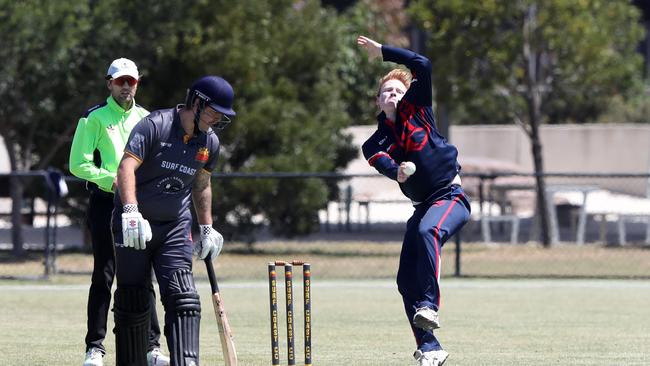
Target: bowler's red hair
{"points": [[396, 74]]}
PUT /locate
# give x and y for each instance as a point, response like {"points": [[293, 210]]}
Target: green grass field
{"points": [[357, 312]]}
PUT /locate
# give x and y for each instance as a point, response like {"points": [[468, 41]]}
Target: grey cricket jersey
{"points": [[170, 163]]}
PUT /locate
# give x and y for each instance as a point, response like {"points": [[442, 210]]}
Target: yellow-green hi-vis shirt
{"points": [[104, 128]]}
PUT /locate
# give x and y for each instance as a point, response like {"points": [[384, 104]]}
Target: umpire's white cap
{"points": [[122, 67]]}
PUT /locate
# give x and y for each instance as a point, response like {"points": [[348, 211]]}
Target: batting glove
{"points": [[136, 231], [210, 244]]}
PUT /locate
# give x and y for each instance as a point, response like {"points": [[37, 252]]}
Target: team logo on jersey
{"points": [[171, 185], [110, 127], [202, 155]]}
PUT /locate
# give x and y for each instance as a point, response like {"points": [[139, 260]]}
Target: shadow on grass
{"points": [[8, 256], [313, 251]]}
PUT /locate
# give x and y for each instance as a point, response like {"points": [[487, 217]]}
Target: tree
{"points": [[290, 109], [280, 57], [38, 57], [531, 62], [384, 20], [53, 61]]}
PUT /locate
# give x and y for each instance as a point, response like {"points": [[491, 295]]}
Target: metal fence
{"points": [[600, 224]]}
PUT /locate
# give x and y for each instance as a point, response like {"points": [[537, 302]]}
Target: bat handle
{"points": [[211, 276]]}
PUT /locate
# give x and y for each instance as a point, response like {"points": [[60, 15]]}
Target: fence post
{"points": [[457, 272], [348, 206], [56, 188], [481, 196]]}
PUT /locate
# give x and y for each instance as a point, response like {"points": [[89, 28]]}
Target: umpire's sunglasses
{"points": [[125, 79]]}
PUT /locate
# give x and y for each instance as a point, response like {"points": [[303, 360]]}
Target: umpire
{"points": [[96, 151]]}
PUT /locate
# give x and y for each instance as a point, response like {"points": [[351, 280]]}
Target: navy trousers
{"points": [[169, 249], [418, 276], [100, 207]]}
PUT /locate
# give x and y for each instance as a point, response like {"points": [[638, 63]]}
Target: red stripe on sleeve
{"points": [[378, 155]]}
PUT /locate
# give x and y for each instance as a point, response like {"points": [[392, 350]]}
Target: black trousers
{"points": [[100, 209]]}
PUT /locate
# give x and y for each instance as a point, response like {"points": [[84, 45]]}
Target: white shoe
{"points": [[426, 318], [155, 357], [431, 358], [94, 357]]}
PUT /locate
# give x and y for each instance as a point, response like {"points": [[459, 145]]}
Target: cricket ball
{"points": [[409, 168]]}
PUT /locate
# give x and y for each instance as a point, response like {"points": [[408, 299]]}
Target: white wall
{"points": [[590, 148]]}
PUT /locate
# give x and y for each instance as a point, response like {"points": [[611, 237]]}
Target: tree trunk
{"points": [[16, 191], [534, 86], [540, 186]]}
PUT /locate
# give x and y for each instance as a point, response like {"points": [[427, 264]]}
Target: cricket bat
{"points": [[225, 334]]}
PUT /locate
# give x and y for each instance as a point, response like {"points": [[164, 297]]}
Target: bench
{"points": [[486, 220], [623, 219]]}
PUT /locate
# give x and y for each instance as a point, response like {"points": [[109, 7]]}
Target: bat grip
{"points": [[211, 276]]}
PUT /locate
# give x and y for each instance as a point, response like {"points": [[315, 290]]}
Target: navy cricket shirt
{"points": [[169, 164], [413, 136]]}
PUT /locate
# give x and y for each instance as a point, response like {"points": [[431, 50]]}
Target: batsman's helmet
{"points": [[214, 92]]}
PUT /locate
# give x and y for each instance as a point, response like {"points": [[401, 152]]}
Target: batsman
{"points": [[166, 166]]}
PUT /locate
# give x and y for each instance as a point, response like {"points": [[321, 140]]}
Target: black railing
{"points": [[54, 189], [491, 191]]}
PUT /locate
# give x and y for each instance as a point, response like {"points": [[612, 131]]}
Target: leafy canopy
{"points": [[588, 55]]}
